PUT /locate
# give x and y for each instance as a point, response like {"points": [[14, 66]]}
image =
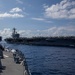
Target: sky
{"points": [[37, 17]]}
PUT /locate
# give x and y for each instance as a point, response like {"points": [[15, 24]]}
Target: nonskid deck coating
{"points": [[10, 67]]}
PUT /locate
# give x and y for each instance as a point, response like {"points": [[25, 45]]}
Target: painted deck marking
{"points": [[6, 56]]}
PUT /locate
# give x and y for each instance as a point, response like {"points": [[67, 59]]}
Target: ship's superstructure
{"points": [[15, 34]]}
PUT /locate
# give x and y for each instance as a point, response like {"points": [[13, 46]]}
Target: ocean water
{"points": [[46, 60]]}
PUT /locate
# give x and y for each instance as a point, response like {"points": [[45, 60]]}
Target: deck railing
{"points": [[22, 60]]}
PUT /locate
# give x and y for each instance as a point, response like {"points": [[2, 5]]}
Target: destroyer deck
{"points": [[10, 67]]}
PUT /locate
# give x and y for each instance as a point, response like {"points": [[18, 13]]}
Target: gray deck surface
{"points": [[10, 67]]}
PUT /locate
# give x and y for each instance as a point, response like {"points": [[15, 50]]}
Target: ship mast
{"points": [[14, 31]]}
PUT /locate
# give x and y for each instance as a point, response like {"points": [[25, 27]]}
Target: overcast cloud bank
{"points": [[53, 31]]}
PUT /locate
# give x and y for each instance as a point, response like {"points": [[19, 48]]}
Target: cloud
{"points": [[52, 31], [41, 19], [6, 32], [8, 15], [19, 1], [15, 10], [13, 13], [63, 10]]}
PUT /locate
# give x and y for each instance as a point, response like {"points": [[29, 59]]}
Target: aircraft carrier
{"points": [[68, 41]]}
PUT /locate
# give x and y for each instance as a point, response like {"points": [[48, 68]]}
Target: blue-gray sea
{"points": [[47, 60]]}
